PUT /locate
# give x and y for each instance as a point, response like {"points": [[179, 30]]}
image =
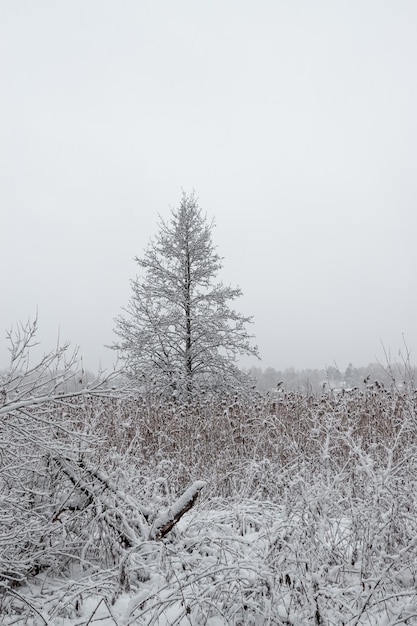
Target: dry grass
{"points": [[309, 515]]}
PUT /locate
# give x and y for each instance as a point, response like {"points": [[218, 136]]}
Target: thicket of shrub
{"points": [[308, 514]]}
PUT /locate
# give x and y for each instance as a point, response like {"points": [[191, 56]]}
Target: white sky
{"points": [[295, 122]]}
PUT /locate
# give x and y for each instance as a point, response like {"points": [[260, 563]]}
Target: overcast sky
{"points": [[294, 121]]}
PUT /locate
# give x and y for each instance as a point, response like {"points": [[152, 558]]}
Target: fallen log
{"points": [[167, 520]]}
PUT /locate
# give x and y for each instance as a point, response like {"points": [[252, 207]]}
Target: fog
{"points": [[295, 123]]}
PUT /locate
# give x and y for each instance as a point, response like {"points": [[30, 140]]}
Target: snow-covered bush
{"points": [[308, 515]]}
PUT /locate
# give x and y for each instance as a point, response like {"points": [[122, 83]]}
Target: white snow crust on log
{"points": [[167, 520]]}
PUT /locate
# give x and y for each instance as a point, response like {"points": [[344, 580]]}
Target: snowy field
{"points": [[247, 563], [285, 509]]}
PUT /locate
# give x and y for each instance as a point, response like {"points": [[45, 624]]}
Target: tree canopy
{"points": [[178, 335]]}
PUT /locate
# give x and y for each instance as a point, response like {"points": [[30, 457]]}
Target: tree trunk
{"points": [[188, 343]]}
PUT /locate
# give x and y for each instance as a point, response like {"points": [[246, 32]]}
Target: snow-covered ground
{"points": [[247, 562], [296, 509]]}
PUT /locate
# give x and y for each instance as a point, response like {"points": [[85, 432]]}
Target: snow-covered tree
{"points": [[178, 334], [41, 448]]}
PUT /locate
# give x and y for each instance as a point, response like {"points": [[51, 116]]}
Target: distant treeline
{"points": [[307, 381], [316, 381]]}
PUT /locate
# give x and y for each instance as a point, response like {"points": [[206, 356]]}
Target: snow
{"points": [[309, 516], [216, 571]]}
